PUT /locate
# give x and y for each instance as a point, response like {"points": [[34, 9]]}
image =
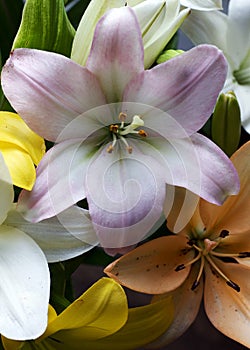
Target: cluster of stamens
{"points": [[204, 250], [120, 131]]}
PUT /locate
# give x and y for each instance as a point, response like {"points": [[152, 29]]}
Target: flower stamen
{"points": [[191, 262], [228, 281], [197, 281]]}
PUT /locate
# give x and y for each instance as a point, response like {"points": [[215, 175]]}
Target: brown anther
{"points": [[114, 128], [244, 255], [129, 149], [195, 285], [142, 133], [122, 117], [233, 285], [110, 149], [180, 267], [224, 233]]}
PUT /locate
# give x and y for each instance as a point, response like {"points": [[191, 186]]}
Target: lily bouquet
{"points": [[120, 149]]}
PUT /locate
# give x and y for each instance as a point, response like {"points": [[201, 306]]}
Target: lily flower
{"points": [[25, 249], [234, 40], [21, 149], [158, 20], [209, 257], [100, 320], [121, 133]]}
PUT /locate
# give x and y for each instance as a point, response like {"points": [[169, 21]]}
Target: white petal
{"points": [[6, 189], [207, 28], [207, 5], [63, 237], [25, 282], [242, 93]]}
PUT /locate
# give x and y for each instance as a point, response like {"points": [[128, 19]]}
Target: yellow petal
{"points": [[234, 213], [92, 313], [227, 309], [150, 268], [145, 324], [10, 344], [20, 165], [14, 130], [186, 307]]}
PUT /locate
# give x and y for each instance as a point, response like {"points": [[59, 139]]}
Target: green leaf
{"points": [[45, 26]]}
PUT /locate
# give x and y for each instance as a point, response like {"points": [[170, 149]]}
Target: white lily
{"points": [[158, 20], [25, 279], [231, 33]]}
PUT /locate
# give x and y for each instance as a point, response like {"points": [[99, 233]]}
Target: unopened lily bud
{"points": [[158, 19], [167, 55], [226, 123]]}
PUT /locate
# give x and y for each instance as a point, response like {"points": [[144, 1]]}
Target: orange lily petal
{"points": [[227, 309], [233, 215], [150, 268], [186, 305]]}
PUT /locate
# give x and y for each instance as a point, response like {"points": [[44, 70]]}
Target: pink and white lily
{"points": [[122, 133]]}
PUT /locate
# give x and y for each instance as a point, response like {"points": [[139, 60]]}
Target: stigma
{"points": [[122, 131]]}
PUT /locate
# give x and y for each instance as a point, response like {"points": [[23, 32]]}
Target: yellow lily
{"points": [[100, 320], [209, 257], [21, 149]]}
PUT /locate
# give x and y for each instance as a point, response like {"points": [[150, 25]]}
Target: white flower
{"points": [[231, 33]]}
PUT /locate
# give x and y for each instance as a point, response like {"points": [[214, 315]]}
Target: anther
{"points": [[224, 233], [244, 255], [195, 285], [142, 133], [180, 267], [114, 128], [122, 117], [110, 149], [129, 149], [233, 285]]}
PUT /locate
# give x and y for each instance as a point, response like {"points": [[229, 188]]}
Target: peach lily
{"points": [[209, 257]]}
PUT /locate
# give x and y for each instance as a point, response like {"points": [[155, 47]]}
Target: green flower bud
{"points": [[226, 123], [167, 55]]}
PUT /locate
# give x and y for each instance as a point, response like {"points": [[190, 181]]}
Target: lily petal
{"points": [[145, 323], [43, 85], [117, 52], [123, 204], [186, 306], [24, 286], [208, 5], [92, 315], [239, 14], [20, 165], [200, 28], [242, 93], [6, 190], [227, 309], [178, 85], [63, 237], [61, 171], [215, 188], [233, 215], [150, 268], [188, 160], [14, 130]]}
